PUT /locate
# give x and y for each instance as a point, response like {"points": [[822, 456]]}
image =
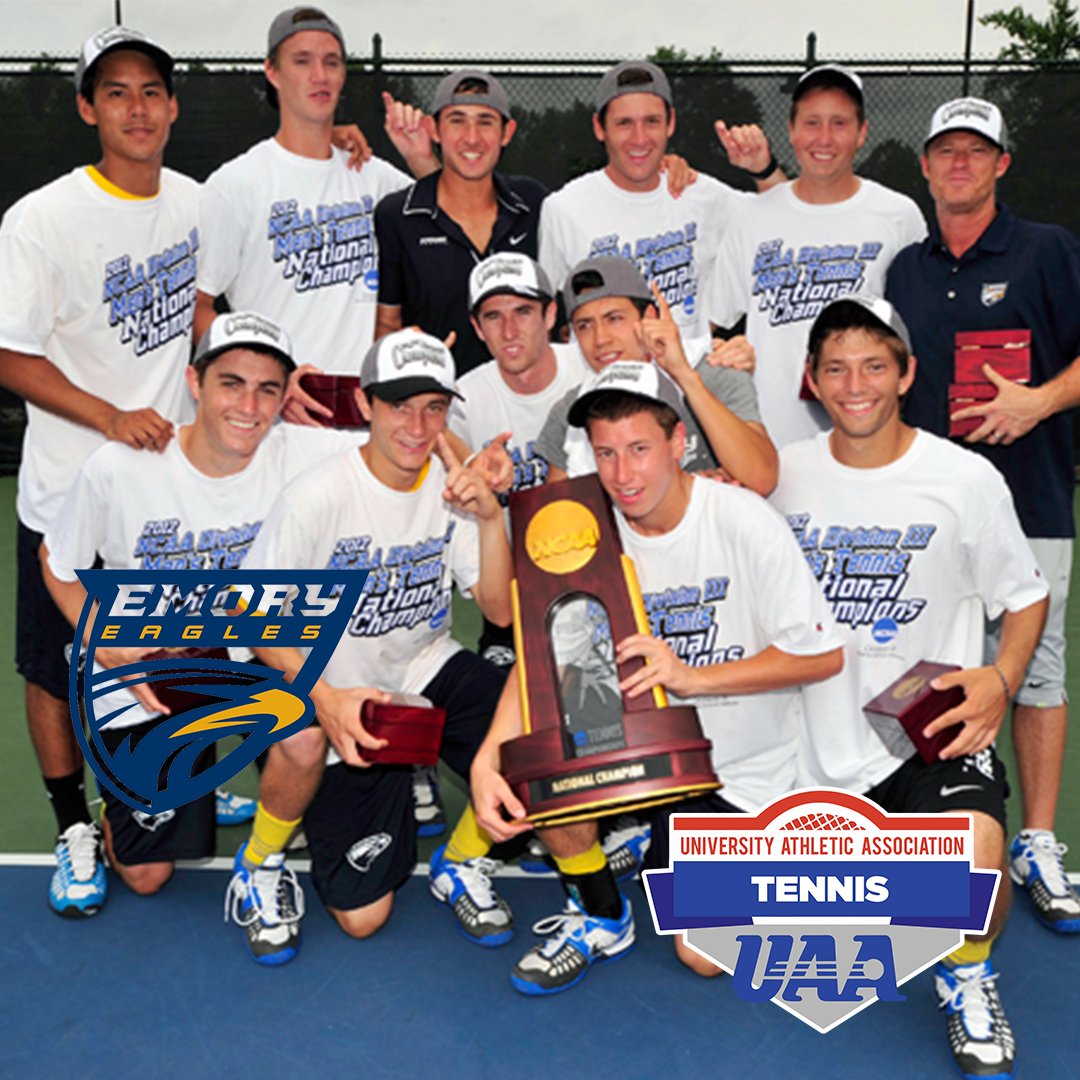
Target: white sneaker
{"points": [[1035, 861], [465, 887], [577, 941], [980, 1037], [78, 884], [268, 903]]}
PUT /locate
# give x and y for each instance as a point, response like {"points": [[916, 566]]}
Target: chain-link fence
{"points": [[223, 110]]}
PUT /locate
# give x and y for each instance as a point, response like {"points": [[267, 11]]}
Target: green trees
{"points": [[1041, 104]]}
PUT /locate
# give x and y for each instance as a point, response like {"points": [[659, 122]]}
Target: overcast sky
{"points": [[846, 29]]}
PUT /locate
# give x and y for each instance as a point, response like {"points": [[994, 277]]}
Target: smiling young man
{"points": [[139, 511], [95, 331], [686, 536], [512, 305], [513, 312], [981, 268], [404, 509], [914, 542], [433, 234], [615, 315], [627, 209], [287, 225], [800, 245]]}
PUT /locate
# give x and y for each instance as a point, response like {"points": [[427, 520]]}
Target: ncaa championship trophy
{"points": [[586, 751]]}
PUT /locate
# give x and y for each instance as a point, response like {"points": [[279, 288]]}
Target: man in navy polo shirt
{"points": [[983, 269], [433, 233]]}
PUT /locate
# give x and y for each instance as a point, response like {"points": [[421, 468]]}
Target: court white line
{"points": [[223, 863], [302, 865]]}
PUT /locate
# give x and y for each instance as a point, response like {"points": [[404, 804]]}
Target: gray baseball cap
{"points": [[641, 378], [112, 40], [632, 77], [298, 19], [448, 92], [617, 277], [244, 330]]}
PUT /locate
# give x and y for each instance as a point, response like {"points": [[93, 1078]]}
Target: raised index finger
{"points": [[446, 452], [723, 133], [662, 306]]}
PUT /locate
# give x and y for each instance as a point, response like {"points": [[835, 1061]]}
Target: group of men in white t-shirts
{"points": [[127, 442]]}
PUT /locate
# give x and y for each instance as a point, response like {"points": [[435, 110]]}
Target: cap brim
{"points": [[962, 127], [213, 354], [400, 389], [507, 291]]}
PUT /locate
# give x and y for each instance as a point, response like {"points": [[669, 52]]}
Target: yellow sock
{"points": [[588, 862], [269, 835], [468, 840], [973, 951]]}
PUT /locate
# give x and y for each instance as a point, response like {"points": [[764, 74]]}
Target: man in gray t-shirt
{"points": [[615, 315]]}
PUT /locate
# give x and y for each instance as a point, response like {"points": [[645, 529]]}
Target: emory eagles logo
{"points": [[186, 620]]}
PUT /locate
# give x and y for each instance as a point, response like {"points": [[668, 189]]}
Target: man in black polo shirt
{"points": [[983, 269], [433, 233]]}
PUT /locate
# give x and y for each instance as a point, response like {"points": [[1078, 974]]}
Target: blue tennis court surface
{"points": [[161, 987]]}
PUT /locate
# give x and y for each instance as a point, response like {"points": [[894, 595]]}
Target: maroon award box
{"points": [[586, 751], [336, 392], [1007, 351], [961, 395], [412, 726], [900, 712], [171, 693]]}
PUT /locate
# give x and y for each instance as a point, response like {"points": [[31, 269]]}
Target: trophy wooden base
{"points": [[666, 758]]}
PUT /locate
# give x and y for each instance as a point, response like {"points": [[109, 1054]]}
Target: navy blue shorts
{"points": [[975, 782], [41, 631], [188, 832], [360, 827]]}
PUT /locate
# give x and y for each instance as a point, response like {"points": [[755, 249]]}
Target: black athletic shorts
{"points": [[187, 832], [658, 855], [41, 632], [975, 782], [360, 828]]}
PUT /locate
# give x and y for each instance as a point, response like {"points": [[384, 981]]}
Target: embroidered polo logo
{"points": [[993, 292]]}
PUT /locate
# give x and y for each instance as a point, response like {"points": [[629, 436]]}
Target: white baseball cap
{"points": [[244, 330], [406, 363], [877, 306], [969, 114], [508, 273], [830, 75], [643, 379], [113, 39]]}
